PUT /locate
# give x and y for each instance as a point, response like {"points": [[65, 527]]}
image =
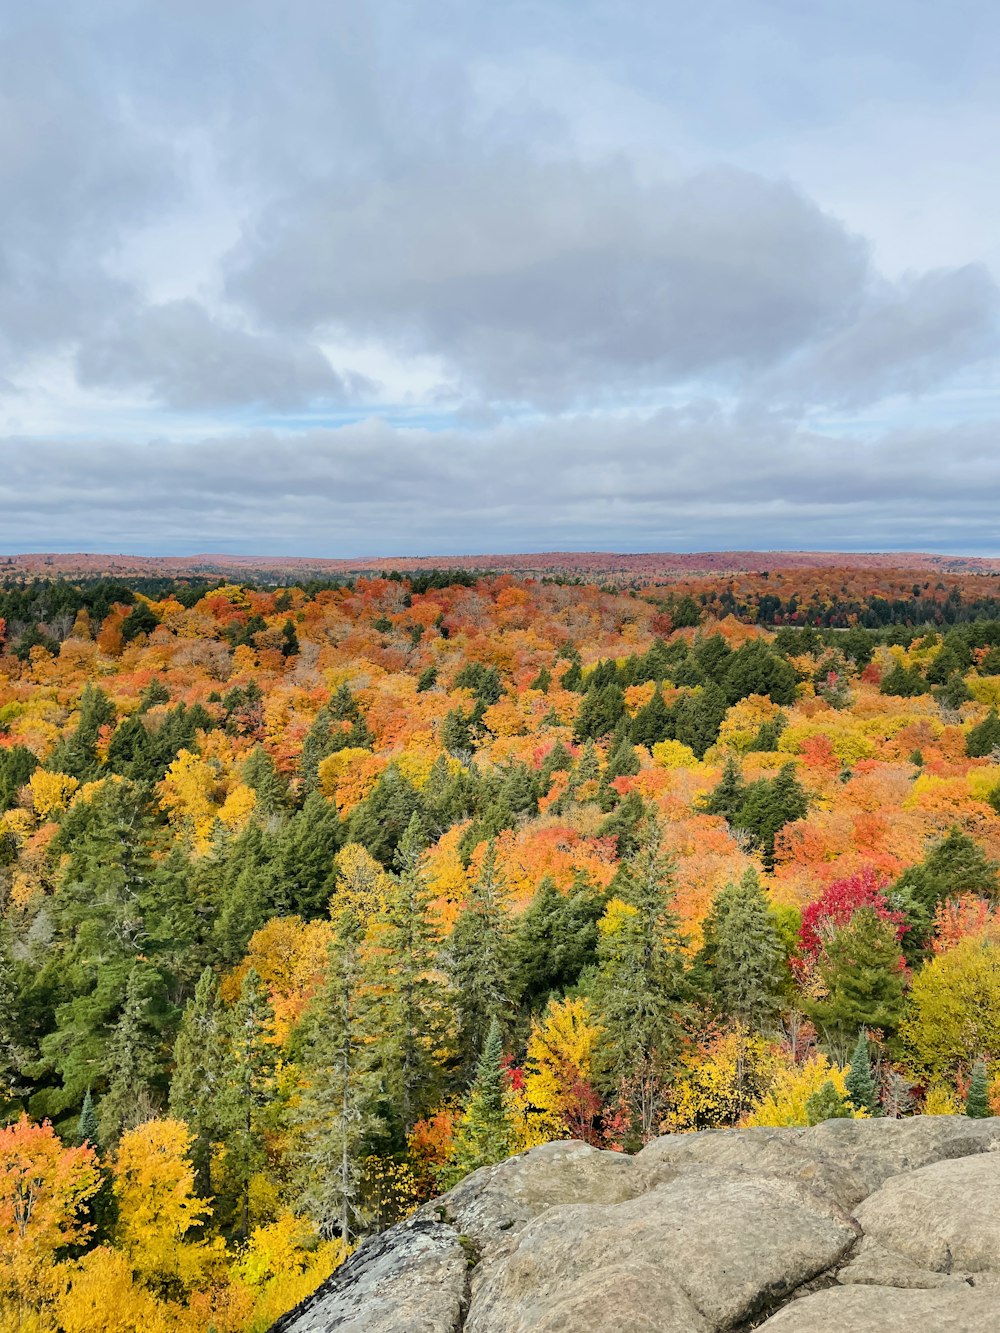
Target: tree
{"points": [[861, 977], [478, 960], [158, 1207], [44, 1190], [410, 1004], [553, 941], [747, 954], [134, 1066], [245, 1095], [977, 1103], [639, 989], [199, 1055], [953, 1012], [338, 1109], [727, 797], [87, 1128], [826, 1104], [861, 1087], [984, 738], [484, 1134], [767, 807]]}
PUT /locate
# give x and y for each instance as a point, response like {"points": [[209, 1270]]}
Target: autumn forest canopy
{"points": [[316, 896]]}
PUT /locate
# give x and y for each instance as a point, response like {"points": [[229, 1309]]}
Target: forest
{"points": [[316, 898]]}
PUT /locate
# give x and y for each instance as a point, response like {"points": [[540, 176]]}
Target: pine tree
{"points": [[484, 1134], [984, 738], [860, 1083], [133, 1061], [199, 1054], [245, 1095], [270, 787], [13, 1057], [338, 1111], [747, 968], [977, 1102], [478, 961], [861, 979], [727, 797], [411, 1008], [639, 990], [87, 1128]]}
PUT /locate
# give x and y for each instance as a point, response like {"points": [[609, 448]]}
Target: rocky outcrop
{"points": [[855, 1224]]}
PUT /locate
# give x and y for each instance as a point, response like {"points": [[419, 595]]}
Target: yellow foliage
{"points": [[985, 689], [672, 754], [720, 1082], [618, 915], [51, 792], [744, 720], [793, 1085], [158, 1206], [188, 793], [953, 1013], [284, 1262], [101, 1296], [237, 807], [559, 1056], [848, 743], [361, 884], [940, 1101]]}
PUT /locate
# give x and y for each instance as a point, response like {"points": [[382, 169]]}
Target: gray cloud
{"points": [[691, 479], [190, 360]]}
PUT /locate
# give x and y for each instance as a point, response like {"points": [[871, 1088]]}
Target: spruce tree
{"points": [[199, 1054], [411, 1008], [484, 1134], [747, 972], [861, 981], [984, 738], [87, 1127], [977, 1102], [860, 1083], [338, 1112], [133, 1061], [727, 796], [478, 960], [639, 990], [245, 1095]]}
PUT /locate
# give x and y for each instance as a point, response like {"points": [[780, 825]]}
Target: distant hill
{"points": [[593, 565]]}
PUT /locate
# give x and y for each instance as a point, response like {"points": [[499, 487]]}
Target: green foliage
{"points": [[826, 1103], [977, 1102], [861, 1087], [984, 738], [478, 961], [745, 953], [861, 980], [485, 1133]]}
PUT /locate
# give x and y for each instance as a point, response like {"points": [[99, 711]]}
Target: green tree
{"points": [[977, 1102], [860, 1082], [338, 1111], [747, 969], [826, 1103], [199, 1059], [984, 738], [478, 960], [484, 1134], [134, 1062], [861, 980], [88, 1126], [246, 1095]]}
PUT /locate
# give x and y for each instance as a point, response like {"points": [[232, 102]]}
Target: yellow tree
{"points": [[558, 1095], [154, 1187], [43, 1190]]}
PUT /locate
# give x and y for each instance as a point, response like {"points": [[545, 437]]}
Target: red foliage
{"points": [[836, 908]]}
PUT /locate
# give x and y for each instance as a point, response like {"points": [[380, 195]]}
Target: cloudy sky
{"points": [[415, 277]]}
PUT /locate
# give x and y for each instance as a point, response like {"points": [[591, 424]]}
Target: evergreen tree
{"points": [[639, 988], [600, 711], [134, 1064], [860, 1083], [767, 807], [87, 1128], [478, 960], [195, 1088], [755, 669], [747, 971], [622, 760], [653, 723], [826, 1103], [984, 738], [977, 1102], [13, 1056], [553, 941], [381, 819], [484, 1134], [338, 1110], [411, 1007], [727, 797], [861, 979], [270, 788], [305, 858], [698, 717], [245, 1096], [77, 753]]}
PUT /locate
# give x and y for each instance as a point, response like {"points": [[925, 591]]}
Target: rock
{"points": [[496, 1201], [411, 1279], [729, 1243], [873, 1265], [855, 1225], [889, 1310], [942, 1217]]}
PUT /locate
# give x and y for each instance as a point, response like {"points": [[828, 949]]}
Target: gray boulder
{"points": [[854, 1224]]}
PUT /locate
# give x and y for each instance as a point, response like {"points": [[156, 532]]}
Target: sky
{"points": [[408, 278]]}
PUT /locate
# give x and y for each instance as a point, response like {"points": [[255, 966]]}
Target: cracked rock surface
{"points": [[856, 1225]]}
